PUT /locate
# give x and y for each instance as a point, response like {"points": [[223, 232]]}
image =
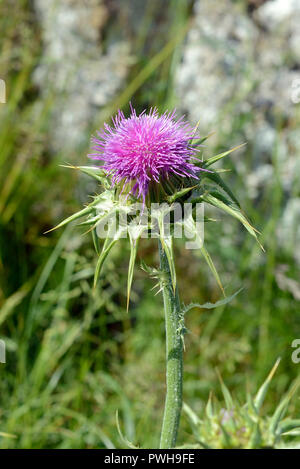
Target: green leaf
{"points": [[191, 415], [233, 211], [215, 158], [167, 244], [96, 241], [261, 393], [213, 176], [75, 216], [107, 246], [251, 409], [190, 226], [109, 242], [209, 407], [226, 437], [135, 232], [7, 435], [133, 251], [255, 439], [226, 393], [210, 264], [289, 425], [123, 438], [166, 240], [179, 194], [282, 408], [85, 211], [222, 302], [94, 172], [199, 141]]}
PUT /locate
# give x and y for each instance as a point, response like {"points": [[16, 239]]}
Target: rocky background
{"points": [[75, 67]]}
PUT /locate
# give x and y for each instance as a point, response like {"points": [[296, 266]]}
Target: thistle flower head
{"points": [[154, 157], [147, 149]]}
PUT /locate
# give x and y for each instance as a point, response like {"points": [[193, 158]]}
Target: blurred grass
{"points": [[74, 356]]}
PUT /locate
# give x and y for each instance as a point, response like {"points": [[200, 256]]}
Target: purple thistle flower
{"points": [[146, 148]]}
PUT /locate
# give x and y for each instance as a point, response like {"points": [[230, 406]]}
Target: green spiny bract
{"points": [[209, 188], [238, 426]]}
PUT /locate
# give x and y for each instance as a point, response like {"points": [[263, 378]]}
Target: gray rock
{"points": [[233, 68], [75, 68], [240, 75], [215, 68]]}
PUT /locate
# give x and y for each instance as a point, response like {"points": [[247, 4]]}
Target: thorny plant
{"points": [[152, 158]]}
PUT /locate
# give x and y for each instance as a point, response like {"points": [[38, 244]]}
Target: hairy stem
{"points": [[174, 356]]}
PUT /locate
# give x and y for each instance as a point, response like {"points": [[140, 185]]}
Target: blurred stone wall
{"points": [[240, 62], [75, 67], [240, 76]]}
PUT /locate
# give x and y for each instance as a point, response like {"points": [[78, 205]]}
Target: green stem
{"points": [[174, 357]]}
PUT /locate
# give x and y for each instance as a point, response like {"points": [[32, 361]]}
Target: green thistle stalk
{"points": [[174, 356]]}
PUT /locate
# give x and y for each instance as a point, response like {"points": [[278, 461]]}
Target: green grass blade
{"points": [[261, 393]]}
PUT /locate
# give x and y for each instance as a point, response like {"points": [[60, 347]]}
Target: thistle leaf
{"points": [[96, 241], [222, 302], [202, 139], [233, 211], [261, 393], [215, 158], [167, 244], [166, 240], [289, 425], [191, 415], [179, 194], [211, 265], [94, 172], [295, 432], [226, 393], [250, 408], [255, 440], [107, 246], [282, 408], [213, 176], [110, 241], [226, 437], [75, 216], [85, 211], [123, 438], [191, 229], [209, 407], [153, 272], [135, 232], [133, 251]]}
